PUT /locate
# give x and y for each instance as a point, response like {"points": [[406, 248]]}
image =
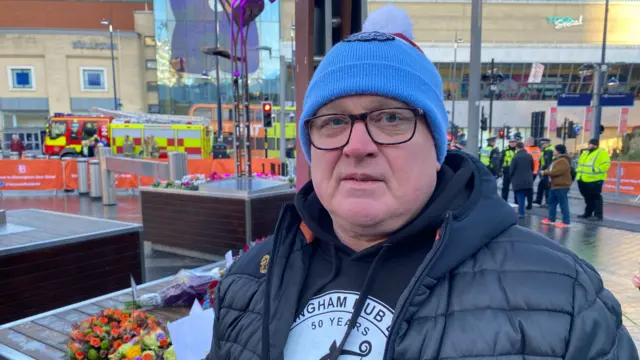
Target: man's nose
{"points": [[360, 143]]}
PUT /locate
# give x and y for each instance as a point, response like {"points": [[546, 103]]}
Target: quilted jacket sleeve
{"points": [[597, 332]]}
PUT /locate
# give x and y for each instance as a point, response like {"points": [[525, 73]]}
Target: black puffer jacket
{"points": [[488, 290]]}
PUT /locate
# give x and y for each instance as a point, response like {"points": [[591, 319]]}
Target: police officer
{"points": [[591, 173], [546, 159], [507, 155], [490, 156]]}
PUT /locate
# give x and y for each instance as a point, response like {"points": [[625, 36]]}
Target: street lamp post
{"points": [[217, 62], [599, 73], [456, 41], [113, 64]]}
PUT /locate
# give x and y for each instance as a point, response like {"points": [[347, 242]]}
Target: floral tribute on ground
{"points": [[120, 334]]}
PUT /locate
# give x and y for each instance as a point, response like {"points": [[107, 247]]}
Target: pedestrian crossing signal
{"points": [[267, 116]]}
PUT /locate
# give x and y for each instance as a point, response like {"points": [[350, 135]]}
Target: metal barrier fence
{"points": [[174, 169]]}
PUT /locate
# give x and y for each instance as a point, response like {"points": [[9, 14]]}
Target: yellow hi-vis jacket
{"points": [[593, 166]]}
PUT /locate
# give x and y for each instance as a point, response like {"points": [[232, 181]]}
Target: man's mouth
{"points": [[361, 177]]}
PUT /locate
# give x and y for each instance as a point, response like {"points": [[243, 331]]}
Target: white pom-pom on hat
{"points": [[389, 19]]}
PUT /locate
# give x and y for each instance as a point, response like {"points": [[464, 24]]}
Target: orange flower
{"points": [[113, 324], [108, 312], [98, 330], [126, 339], [104, 320], [164, 343], [80, 355], [117, 313], [117, 344], [95, 342], [115, 331], [148, 356]]}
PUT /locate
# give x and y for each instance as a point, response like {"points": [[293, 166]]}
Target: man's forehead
{"points": [[359, 103]]}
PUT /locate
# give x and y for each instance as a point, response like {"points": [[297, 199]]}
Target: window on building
{"points": [[93, 79], [154, 108], [149, 41], [21, 78], [152, 86], [151, 64]]}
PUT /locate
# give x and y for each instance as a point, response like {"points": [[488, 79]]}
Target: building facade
{"points": [[187, 76], [61, 61], [560, 35]]}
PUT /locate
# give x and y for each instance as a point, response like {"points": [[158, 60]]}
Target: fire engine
{"points": [[66, 132], [172, 133]]}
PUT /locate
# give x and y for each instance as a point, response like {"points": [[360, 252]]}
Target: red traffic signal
{"points": [[266, 107], [501, 134], [267, 118]]}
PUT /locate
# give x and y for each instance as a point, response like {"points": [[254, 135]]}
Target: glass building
{"points": [[187, 76]]}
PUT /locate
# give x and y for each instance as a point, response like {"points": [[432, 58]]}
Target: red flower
{"points": [[95, 342], [103, 320], [80, 355]]}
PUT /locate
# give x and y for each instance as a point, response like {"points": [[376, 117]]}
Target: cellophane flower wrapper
{"points": [[186, 287]]}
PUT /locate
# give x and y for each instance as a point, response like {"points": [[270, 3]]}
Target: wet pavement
{"points": [[612, 246]]}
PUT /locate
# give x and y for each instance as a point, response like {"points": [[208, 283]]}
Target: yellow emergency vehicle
{"points": [[259, 143], [192, 135]]}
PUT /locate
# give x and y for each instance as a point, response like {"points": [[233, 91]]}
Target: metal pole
{"points": [[564, 132], [217, 62], [474, 76], [491, 92], [598, 80], [455, 84], [283, 92], [107, 178], [113, 68]]}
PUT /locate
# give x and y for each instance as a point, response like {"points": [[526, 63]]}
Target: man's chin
{"points": [[362, 212]]}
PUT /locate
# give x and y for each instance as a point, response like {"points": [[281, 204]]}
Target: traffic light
{"points": [[501, 134], [507, 132], [267, 116]]}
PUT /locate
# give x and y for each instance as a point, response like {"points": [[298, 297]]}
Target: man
{"points": [[546, 159], [507, 156], [534, 151], [154, 148], [593, 166], [128, 146], [392, 251], [490, 156], [520, 174], [17, 145], [561, 179]]}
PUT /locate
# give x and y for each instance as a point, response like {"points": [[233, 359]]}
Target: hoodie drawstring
{"points": [[362, 299]]}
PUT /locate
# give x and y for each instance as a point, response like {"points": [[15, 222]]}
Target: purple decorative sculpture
{"points": [[194, 29]]}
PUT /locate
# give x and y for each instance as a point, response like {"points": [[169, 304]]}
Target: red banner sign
{"points": [[588, 115], [553, 119], [624, 120], [30, 175]]}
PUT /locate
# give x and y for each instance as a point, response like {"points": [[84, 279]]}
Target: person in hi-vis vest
{"points": [[591, 173], [534, 151], [490, 156], [507, 155]]}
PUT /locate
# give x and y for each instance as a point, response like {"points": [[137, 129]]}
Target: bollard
{"points": [[83, 176], [14, 156], [29, 156], [95, 187], [107, 178], [177, 165]]}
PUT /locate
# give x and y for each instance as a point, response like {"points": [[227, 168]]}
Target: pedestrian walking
{"points": [[561, 178], [520, 173]]}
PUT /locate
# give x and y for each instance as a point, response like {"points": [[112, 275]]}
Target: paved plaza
{"points": [[612, 246]]}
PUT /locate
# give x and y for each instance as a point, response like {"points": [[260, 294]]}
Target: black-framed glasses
{"points": [[392, 126]]}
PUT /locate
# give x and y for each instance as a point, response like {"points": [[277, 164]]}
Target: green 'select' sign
{"points": [[561, 22]]}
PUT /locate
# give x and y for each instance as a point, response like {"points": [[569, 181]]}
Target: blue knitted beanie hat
{"points": [[384, 63]]}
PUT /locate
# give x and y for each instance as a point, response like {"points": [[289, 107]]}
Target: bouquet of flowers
{"points": [[186, 287], [214, 176], [119, 334]]}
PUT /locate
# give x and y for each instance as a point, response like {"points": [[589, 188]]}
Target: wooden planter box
{"points": [[49, 260], [221, 216]]}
